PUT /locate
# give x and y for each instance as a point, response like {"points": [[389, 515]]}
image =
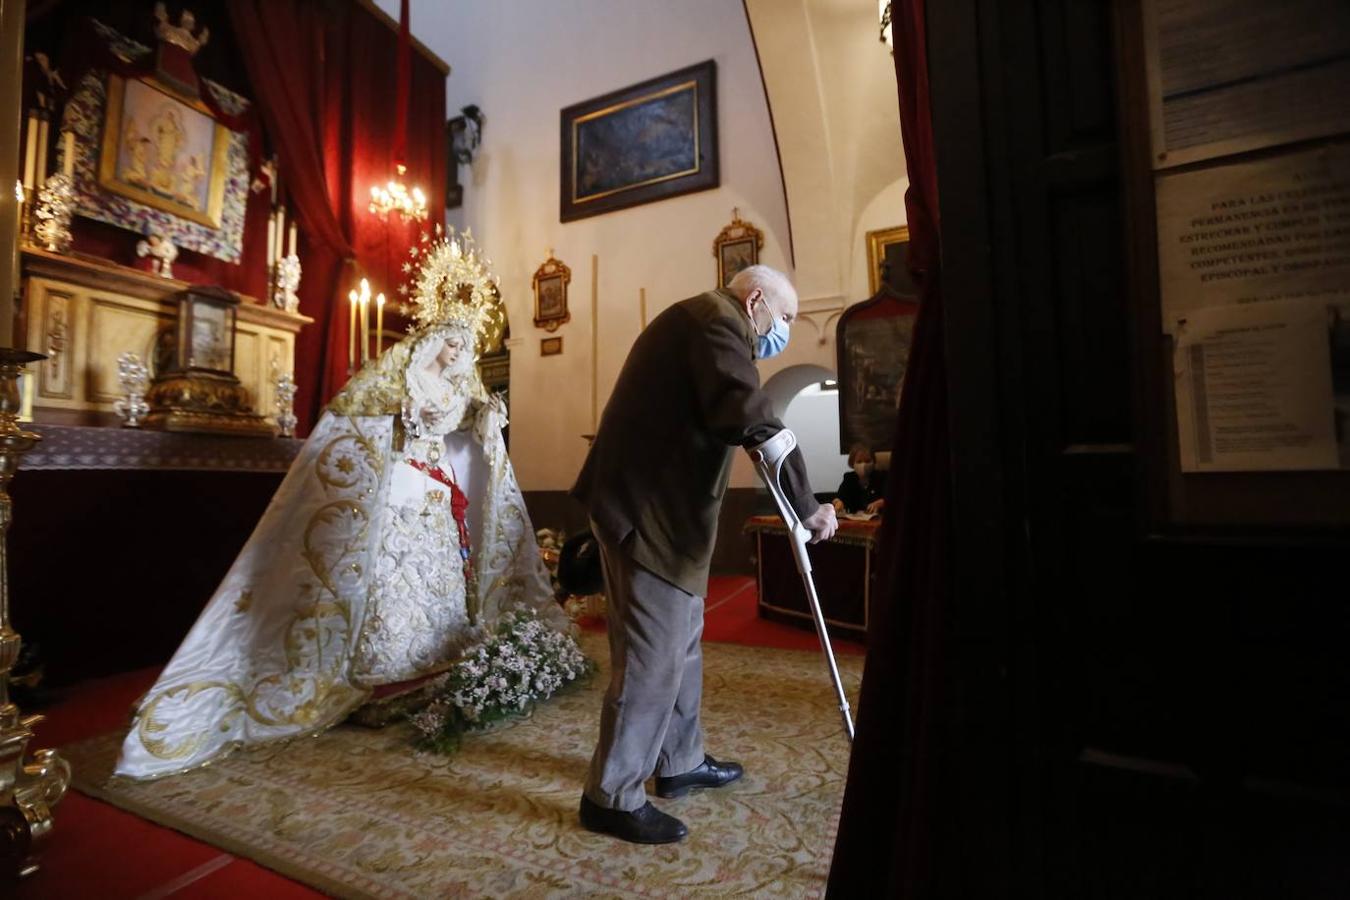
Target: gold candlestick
{"points": [[29, 788]]}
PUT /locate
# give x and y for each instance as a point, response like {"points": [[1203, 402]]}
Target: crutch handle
{"points": [[768, 459]]}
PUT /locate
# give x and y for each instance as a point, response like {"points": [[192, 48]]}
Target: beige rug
{"points": [[356, 813]]}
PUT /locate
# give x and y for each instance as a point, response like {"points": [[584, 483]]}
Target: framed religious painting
{"points": [[646, 142], [873, 340], [888, 261], [737, 247], [550, 294], [164, 149]]}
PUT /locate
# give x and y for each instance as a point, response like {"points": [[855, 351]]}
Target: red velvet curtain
{"points": [[890, 805], [325, 83]]}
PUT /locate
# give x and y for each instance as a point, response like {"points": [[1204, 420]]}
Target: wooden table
{"points": [[843, 568]]}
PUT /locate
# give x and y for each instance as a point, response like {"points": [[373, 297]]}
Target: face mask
{"points": [[773, 343], [863, 469]]}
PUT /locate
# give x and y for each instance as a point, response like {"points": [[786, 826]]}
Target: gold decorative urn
{"points": [[29, 786]]}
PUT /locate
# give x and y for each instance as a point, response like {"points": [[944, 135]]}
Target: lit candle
{"points": [[291, 243], [68, 157], [281, 233], [271, 242], [30, 154], [40, 173], [351, 348], [379, 323], [365, 327]]}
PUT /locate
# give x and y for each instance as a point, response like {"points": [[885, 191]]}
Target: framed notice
{"points": [[1230, 76]]}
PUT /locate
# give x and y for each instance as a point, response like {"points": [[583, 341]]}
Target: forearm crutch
{"points": [[768, 458]]}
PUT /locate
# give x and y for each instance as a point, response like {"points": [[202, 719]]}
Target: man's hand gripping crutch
{"points": [[768, 458]]}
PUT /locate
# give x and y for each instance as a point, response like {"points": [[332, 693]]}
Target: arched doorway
{"points": [[806, 399]]}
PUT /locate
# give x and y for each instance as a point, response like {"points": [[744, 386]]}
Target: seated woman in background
{"points": [[862, 489]]}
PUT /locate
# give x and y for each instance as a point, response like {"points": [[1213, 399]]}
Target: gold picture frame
{"points": [[877, 243], [736, 247], [153, 141], [550, 346], [550, 294]]}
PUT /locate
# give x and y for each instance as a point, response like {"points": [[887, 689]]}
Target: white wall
{"points": [[831, 84], [522, 62], [813, 415]]}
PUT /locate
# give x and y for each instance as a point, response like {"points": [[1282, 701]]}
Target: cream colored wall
{"points": [[523, 62]]}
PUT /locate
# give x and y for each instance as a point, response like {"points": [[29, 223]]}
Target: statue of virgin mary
{"points": [[397, 537]]}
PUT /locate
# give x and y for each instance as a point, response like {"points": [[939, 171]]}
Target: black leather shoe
{"points": [[644, 825], [710, 774]]}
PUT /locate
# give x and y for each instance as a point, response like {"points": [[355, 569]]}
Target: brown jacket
{"points": [[688, 393]]}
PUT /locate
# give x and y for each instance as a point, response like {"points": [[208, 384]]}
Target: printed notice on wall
{"points": [[1269, 229], [1228, 76], [1254, 388]]}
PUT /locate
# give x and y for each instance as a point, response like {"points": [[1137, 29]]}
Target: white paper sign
{"points": [[1269, 229], [1229, 76], [1254, 388]]}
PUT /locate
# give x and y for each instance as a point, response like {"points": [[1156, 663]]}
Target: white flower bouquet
{"points": [[521, 663]]}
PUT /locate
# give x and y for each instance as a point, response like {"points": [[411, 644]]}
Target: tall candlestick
{"points": [[351, 343], [595, 342], [291, 243], [30, 155], [642, 305], [379, 323], [68, 156], [44, 134]]}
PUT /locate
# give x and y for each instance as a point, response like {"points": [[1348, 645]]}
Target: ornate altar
{"points": [[84, 312]]}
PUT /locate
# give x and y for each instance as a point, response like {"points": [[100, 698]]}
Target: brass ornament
{"points": [[204, 402], [29, 785]]}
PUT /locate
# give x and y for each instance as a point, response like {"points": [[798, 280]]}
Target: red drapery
{"points": [[325, 80], [883, 843]]}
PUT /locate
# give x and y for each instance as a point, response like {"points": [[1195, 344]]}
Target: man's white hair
{"points": [[766, 278]]}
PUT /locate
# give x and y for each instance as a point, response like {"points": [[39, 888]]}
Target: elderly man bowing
{"points": [[653, 485]]}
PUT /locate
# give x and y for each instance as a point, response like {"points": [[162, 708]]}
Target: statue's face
{"points": [[455, 353]]}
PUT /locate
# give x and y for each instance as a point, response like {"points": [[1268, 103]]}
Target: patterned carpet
{"points": [[356, 813]]}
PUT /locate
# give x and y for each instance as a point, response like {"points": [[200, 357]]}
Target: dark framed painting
{"points": [[873, 340], [550, 346], [888, 261], [647, 142]]}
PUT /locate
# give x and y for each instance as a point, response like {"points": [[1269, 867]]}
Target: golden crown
{"points": [[451, 284]]}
